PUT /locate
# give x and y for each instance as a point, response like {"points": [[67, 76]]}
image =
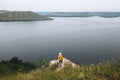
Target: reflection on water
{"points": [[82, 40]]}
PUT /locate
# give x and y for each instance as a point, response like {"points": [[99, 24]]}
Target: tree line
{"points": [[15, 65]]}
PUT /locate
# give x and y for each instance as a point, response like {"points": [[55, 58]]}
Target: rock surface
{"points": [[21, 16], [66, 62]]}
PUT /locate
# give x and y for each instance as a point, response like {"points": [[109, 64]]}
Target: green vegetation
{"points": [[15, 65], [106, 70]]}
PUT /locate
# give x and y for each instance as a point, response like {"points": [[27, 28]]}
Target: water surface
{"points": [[82, 40]]}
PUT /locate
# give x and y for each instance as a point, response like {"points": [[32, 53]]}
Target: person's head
{"points": [[60, 53]]}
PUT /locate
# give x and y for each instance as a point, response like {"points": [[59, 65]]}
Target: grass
{"points": [[106, 70]]}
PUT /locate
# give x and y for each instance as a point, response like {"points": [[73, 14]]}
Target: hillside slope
{"points": [[21, 16], [107, 70]]}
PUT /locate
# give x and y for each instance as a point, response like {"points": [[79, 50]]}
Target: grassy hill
{"points": [[106, 70], [21, 16]]}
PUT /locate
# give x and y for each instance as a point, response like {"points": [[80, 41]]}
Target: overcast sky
{"points": [[61, 5]]}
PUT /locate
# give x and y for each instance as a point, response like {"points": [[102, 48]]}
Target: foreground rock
{"points": [[66, 62], [21, 16]]}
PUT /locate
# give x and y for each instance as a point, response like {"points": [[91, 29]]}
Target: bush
{"points": [[15, 65]]}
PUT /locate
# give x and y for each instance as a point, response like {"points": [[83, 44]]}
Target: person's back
{"points": [[60, 58]]}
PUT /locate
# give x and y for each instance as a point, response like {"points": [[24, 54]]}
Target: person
{"points": [[60, 58]]}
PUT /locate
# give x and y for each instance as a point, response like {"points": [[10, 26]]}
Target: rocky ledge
{"points": [[66, 63]]}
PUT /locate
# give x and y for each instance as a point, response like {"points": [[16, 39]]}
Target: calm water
{"points": [[82, 40]]}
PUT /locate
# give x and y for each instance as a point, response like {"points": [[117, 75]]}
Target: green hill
{"points": [[106, 70], [21, 16]]}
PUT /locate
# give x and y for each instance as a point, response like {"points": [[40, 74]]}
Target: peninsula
{"points": [[21, 16]]}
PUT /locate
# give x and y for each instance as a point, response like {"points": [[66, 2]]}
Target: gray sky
{"points": [[61, 5]]}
